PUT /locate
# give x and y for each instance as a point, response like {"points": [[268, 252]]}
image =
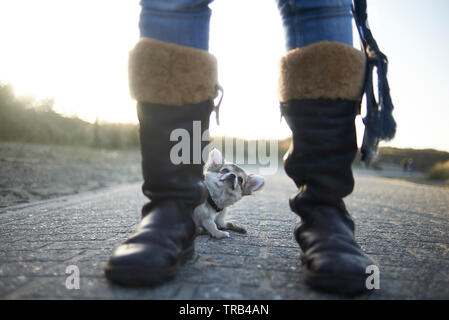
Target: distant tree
{"points": [[96, 134], [45, 105]]}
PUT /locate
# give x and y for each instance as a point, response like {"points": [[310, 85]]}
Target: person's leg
{"points": [[309, 21], [182, 22], [174, 81], [320, 88]]}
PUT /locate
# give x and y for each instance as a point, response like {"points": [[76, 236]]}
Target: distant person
{"points": [[411, 165], [404, 164], [321, 82]]}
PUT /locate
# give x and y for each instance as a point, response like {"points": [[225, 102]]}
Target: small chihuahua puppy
{"points": [[227, 183]]}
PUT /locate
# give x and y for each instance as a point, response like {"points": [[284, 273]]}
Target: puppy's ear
{"points": [[252, 184], [215, 159]]}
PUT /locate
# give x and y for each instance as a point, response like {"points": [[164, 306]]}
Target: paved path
{"points": [[404, 226]]}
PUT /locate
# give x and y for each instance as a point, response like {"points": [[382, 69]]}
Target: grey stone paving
{"points": [[404, 226]]}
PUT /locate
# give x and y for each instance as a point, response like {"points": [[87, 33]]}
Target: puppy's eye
{"points": [[240, 180], [224, 170]]}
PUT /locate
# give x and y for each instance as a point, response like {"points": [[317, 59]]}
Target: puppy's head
{"points": [[227, 182]]}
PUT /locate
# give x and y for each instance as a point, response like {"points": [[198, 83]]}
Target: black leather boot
{"points": [[175, 87], [320, 92]]}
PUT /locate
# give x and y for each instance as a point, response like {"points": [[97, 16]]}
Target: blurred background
{"points": [[64, 97]]}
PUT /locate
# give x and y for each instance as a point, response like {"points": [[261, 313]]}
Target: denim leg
{"points": [[183, 22], [309, 21]]}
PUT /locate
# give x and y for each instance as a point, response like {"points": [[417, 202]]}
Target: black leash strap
{"points": [[379, 121]]}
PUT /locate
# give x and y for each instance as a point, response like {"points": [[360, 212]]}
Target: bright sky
{"points": [[76, 52]]}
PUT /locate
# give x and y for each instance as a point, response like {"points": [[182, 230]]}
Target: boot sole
{"points": [[336, 283], [332, 283], [135, 276]]}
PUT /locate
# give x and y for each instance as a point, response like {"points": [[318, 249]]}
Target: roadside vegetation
{"points": [[439, 171], [30, 121]]}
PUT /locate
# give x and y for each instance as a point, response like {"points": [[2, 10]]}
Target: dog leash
{"points": [[379, 122]]}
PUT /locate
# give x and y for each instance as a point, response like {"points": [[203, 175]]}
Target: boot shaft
{"points": [[320, 88], [171, 147], [175, 87], [323, 146]]}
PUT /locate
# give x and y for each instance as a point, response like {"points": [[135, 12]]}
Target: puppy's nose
{"points": [[230, 177]]}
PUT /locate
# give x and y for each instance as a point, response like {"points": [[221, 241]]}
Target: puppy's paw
{"points": [[221, 235], [234, 226]]}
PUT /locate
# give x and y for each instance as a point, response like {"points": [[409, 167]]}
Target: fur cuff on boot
{"points": [[166, 73], [323, 70]]}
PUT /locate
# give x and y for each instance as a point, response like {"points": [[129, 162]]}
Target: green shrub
{"points": [[23, 119], [440, 171]]}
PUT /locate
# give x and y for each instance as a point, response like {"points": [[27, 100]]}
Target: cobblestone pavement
{"points": [[403, 226]]}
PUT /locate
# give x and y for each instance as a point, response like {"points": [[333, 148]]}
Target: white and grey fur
{"points": [[227, 183]]}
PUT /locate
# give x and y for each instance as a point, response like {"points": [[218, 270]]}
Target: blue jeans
{"points": [[186, 22]]}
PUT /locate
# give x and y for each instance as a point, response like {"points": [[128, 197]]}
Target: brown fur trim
{"points": [[166, 73], [327, 70]]}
